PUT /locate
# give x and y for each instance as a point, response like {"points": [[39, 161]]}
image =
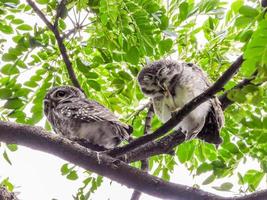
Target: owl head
{"points": [[61, 94], [155, 79]]}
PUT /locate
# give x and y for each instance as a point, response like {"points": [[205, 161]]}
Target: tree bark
{"points": [[6, 195], [39, 139]]}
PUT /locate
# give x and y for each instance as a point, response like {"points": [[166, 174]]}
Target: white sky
{"points": [[36, 175]]}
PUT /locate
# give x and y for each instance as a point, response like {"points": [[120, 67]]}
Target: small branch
{"points": [[145, 163], [66, 59], [209, 93], [264, 3], [39, 139], [6, 195], [153, 148], [225, 101], [40, 14], [59, 11], [60, 43]]}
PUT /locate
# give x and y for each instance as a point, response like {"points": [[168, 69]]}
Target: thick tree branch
{"points": [[209, 93], [60, 43], [145, 163], [39, 139], [6, 195]]}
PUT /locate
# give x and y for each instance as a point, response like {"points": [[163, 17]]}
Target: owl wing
{"points": [[215, 118], [91, 111]]}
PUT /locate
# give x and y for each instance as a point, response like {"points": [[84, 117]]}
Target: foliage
{"points": [[111, 41]]}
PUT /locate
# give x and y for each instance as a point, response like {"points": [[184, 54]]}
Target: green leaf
{"points": [[42, 1], [64, 169], [9, 69], [209, 180], [72, 175], [9, 57], [17, 21], [264, 165], [248, 11], [92, 75], [132, 55], [224, 187], [6, 29], [185, 151], [94, 85], [6, 157], [82, 67], [243, 21], [5, 93], [204, 167], [24, 27], [125, 75], [165, 45], [12, 147], [13, 103], [253, 178], [183, 9]]}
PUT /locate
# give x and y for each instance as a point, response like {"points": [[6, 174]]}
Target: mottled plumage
{"points": [[171, 85], [76, 117]]}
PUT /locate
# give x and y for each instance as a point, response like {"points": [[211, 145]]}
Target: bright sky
{"points": [[36, 175]]}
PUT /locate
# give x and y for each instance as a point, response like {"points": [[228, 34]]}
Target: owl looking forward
{"points": [[75, 117], [171, 85]]}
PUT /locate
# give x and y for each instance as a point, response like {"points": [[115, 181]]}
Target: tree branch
{"points": [[162, 146], [60, 43], [145, 163], [59, 11], [178, 117], [6, 195], [39, 139], [225, 101]]}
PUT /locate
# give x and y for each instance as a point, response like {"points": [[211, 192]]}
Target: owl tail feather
{"points": [[211, 130]]}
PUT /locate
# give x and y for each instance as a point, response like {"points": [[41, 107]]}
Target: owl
{"points": [[171, 85], [75, 117]]}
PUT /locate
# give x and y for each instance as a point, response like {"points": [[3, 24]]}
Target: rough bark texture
{"points": [[6, 195], [39, 139]]}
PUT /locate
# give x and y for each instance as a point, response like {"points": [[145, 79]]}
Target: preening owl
{"points": [[76, 117], [171, 85]]}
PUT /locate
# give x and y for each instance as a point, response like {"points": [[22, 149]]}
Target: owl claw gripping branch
{"points": [[74, 116], [171, 85]]}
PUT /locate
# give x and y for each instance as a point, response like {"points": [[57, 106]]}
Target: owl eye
{"points": [[60, 93]]}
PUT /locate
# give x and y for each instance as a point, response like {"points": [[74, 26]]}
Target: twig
{"points": [[40, 14], [225, 101], [59, 11], [178, 117], [60, 43], [137, 112], [162, 146], [145, 163]]}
